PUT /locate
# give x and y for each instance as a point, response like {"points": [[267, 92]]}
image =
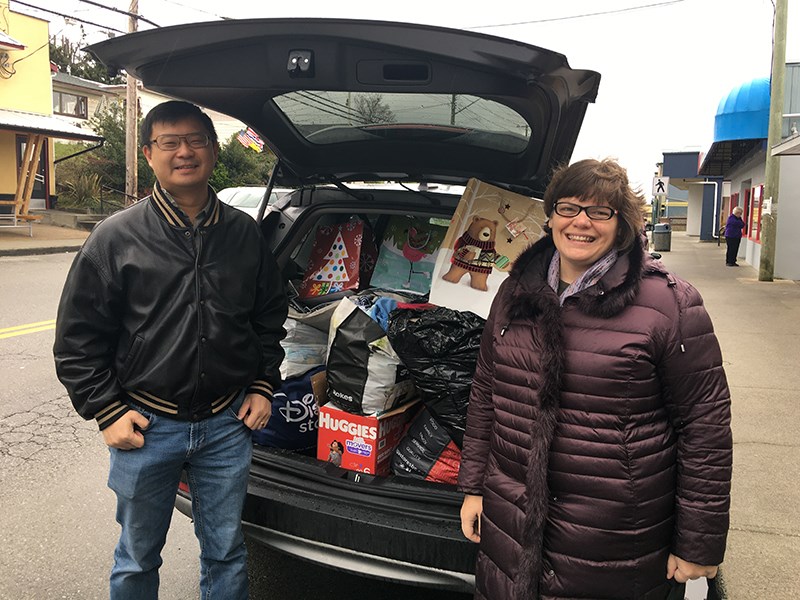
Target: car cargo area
{"points": [[386, 523]]}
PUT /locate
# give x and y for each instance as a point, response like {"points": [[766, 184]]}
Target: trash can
{"points": [[662, 237]]}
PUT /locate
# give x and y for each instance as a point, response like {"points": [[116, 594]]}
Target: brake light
{"points": [[183, 487]]}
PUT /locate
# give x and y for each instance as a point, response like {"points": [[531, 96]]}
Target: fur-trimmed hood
{"points": [[616, 290]]}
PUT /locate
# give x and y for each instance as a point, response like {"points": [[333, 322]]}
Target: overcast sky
{"points": [[665, 65]]}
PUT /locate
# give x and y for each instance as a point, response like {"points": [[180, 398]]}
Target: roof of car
{"points": [[347, 100]]}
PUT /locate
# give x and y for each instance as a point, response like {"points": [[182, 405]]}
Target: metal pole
{"points": [[772, 175], [131, 120]]}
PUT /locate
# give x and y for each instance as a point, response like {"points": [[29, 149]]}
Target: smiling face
{"points": [[581, 241], [183, 172]]}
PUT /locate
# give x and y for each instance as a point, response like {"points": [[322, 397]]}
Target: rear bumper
{"points": [[184, 504], [406, 533], [359, 563], [396, 530]]}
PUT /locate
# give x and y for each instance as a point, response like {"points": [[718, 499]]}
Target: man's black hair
{"points": [[172, 112]]}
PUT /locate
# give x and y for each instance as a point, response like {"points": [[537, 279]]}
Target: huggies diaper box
{"points": [[361, 443]]}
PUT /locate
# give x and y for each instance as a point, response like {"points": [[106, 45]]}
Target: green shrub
{"points": [[83, 192], [79, 179]]}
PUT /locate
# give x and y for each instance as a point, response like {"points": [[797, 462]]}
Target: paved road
{"points": [[57, 528]]}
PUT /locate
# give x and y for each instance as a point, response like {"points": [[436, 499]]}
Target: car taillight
{"points": [[183, 487]]}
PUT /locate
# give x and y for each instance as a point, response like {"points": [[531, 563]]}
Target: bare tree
{"points": [[371, 110]]}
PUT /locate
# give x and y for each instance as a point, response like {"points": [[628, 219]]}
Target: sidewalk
{"points": [[47, 239], [758, 326]]}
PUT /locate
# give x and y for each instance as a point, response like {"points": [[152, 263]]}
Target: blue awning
{"points": [[744, 113], [740, 127]]}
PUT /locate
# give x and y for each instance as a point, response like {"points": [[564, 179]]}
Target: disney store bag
{"points": [[293, 424]]}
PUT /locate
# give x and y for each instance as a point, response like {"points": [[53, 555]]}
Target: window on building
{"points": [[70, 105], [747, 211], [754, 231]]}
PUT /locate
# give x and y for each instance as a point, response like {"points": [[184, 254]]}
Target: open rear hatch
{"points": [[348, 100]]}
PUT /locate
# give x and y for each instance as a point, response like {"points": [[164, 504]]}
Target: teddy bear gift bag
{"points": [[490, 228]]}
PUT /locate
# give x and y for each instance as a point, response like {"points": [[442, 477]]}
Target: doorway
{"points": [[40, 195]]}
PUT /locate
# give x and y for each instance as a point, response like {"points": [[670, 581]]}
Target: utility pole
{"points": [[772, 174], [131, 120]]}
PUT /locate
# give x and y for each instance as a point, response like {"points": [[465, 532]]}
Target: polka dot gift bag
{"points": [[342, 258]]}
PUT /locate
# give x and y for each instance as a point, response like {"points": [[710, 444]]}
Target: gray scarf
{"points": [[589, 277]]}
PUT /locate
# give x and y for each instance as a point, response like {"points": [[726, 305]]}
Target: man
{"points": [[168, 335]]}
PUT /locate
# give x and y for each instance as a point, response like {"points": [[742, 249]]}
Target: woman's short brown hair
{"points": [[601, 181]]}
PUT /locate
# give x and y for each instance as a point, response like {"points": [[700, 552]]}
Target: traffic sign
{"points": [[660, 186]]}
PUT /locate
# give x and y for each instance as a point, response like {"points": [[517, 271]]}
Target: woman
{"points": [[597, 455], [733, 236]]}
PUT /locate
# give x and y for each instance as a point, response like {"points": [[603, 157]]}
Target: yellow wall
{"points": [[28, 89], [8, 162]]}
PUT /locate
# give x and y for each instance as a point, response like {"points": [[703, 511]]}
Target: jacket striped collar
{"points": [[161, 200]]}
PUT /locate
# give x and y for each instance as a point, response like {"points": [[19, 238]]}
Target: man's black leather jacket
{"points": [[175, 319]]}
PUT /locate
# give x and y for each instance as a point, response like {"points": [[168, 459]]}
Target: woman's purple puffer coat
{"points": [[598, 434]]}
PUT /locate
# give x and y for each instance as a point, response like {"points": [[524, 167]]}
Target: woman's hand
{"points": [[471, 511], [678, 568]]}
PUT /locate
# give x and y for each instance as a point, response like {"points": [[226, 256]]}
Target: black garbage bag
{"points": [[439, 346], [427, 452]]}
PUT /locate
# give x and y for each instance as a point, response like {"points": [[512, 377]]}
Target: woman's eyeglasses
{"points": [[171, 141], [594, 212]]}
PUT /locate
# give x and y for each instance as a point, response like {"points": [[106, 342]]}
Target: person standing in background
{"points": [[733, 236]]}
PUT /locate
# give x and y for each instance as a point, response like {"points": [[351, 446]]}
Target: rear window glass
{"points": [[335, 117], [247, 198]]}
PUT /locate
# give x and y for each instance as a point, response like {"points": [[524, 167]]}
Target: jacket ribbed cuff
{"points": [[110, 414], [262, 387]]}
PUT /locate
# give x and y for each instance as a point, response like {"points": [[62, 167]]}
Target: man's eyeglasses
{"points": [[171, 141], [594, 212]]}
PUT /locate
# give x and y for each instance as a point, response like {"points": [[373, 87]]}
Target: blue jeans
{"points": [[216, 455]]}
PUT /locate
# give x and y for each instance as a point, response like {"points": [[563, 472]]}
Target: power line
{"points": [[346, 111], [117, 10], [581, 16], [63, 16], [200, 10]]}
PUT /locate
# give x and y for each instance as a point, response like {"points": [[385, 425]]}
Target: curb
{"points": [[39, 250]]}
